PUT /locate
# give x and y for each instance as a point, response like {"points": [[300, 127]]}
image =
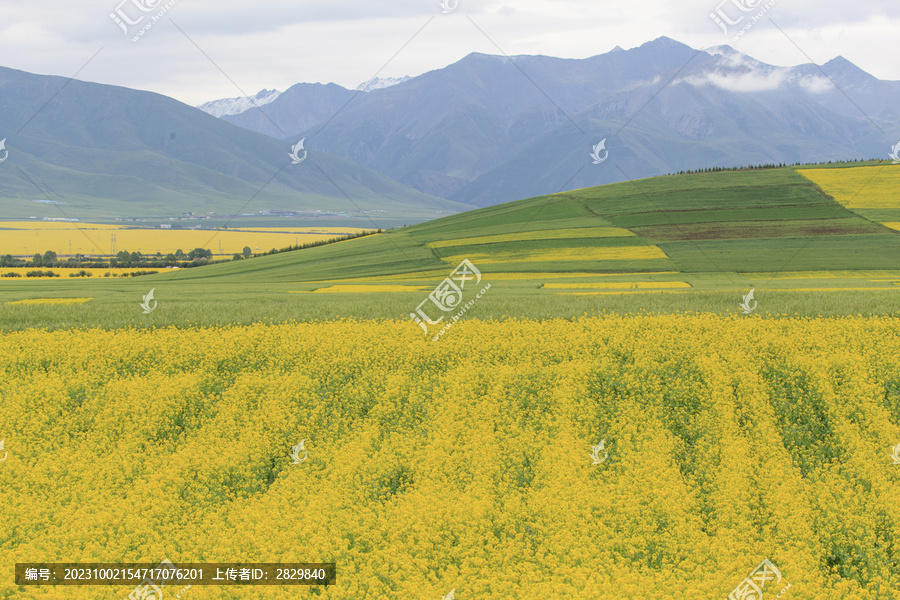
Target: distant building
{"points": [[165, 226]]}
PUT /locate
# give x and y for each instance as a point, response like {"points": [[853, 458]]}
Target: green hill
{"points": [[687, 242], [771, 220]]}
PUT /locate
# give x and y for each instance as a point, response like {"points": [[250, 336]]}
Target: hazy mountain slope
{"points": [[298, 109], [109, 151]]}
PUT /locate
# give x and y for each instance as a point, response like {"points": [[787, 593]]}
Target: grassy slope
{"points": [[771, 220], [722, 232]]}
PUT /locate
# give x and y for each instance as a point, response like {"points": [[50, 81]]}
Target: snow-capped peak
{"points": [[723, 50], [380, 83], [234, 106]]}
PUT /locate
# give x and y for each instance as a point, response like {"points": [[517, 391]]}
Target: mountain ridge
{"points": [[450, 130], [109, 152], [234, 106]]}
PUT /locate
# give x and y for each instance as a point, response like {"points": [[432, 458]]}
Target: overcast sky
{"points": [[202, 50]]}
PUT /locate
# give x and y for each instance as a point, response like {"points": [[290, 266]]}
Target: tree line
{"points": [[123, 259], [247, 253], [765, 166]]}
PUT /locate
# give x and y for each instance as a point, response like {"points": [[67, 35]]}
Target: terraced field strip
{"points": [[612, 285], [564, 255], [621, 292], [852, 225], [433, 277], [831, 289], [551, 234], [731, 215], [364, 289], [869, 275], [735, 291]]}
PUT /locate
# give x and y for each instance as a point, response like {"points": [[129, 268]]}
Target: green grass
{"points": [[717, 215], [714, 228], [185, 306]]}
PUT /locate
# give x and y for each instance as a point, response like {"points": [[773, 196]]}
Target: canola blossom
{"points": [[93, 238], [651, 457], [51, 301], [859, 187]]}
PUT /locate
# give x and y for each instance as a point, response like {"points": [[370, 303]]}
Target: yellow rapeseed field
{"points": [[51, 301], [859, 187], [471, 464], [28, 238]]}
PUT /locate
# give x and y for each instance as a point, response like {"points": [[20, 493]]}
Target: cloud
{"points": [[739, 82], [759, 81], [816, 85]]}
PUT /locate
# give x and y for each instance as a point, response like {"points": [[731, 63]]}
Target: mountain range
{"points": [[234, 106], [490, 129], [90, 151], [484, 130]]}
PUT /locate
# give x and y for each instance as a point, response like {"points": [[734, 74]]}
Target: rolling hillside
{"points": [[692, 242], [774, 220]]}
